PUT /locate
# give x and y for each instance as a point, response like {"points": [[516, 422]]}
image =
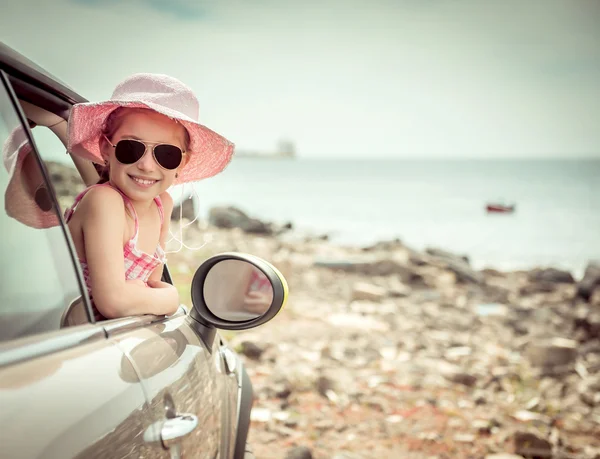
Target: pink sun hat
{"points": [[209, 152], [26, 198]]}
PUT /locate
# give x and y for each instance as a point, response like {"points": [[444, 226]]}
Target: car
{"points": [[73, 387]]}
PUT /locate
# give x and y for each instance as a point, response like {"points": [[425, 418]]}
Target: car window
{"points": [[38, 276], [63, 175]]}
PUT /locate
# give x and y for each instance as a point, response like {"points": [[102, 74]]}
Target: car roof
{"points": [[34, 84]]}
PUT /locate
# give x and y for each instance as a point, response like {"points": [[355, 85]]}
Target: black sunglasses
{"points": [[129, 151]]}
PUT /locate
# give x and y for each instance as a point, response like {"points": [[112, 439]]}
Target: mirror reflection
{"points": [[236, 290]]}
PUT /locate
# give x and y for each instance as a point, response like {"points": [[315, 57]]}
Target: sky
{"points": [[344, 79]]}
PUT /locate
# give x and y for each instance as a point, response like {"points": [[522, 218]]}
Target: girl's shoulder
{"points": [[101, 199]]}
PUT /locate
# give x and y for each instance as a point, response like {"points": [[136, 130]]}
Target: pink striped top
{"points": [[138, 264]]}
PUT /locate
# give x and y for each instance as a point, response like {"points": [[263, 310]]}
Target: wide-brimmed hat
{"points": [[209, 152], [27, 198]]}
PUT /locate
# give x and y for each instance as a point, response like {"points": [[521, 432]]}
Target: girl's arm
{"points": [[103, 225], [167, 202]]}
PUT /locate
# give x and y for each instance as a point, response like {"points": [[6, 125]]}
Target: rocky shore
{"points": [[388, 352], [384, 351]]}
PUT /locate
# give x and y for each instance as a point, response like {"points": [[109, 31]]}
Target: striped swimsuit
{"points": [[138, 264]]}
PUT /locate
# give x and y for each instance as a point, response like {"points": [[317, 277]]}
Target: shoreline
{"points": [[384, 351], [344, 238]]}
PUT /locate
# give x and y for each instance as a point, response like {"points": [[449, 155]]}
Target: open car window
{"points": [[39, 279], [63, 174]]}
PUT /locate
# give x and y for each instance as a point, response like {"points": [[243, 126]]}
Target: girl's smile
{"points": [[143, 182]]}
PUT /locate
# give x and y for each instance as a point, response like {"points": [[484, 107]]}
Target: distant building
{"points": [[285, 149]]}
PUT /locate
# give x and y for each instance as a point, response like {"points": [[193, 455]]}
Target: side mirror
{"points": [[236, 291]]}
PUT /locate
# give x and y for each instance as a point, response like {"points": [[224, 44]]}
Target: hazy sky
{"points": [[415, 78]]}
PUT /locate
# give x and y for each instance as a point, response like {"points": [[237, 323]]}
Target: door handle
{"points": [[172, 431], [175, 429]]}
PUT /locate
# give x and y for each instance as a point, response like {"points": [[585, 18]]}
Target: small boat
{"points": [[500, 208]]}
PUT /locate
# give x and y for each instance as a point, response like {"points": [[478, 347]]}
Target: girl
{"points": [[147, 137]]}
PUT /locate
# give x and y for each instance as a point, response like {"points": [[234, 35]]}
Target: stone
{"points": [[464, 273], [590, 281], [492, 310], [454, 374], [530, 445], [537, 287], [554, 352], [439, 253], [324, 384], [399, 291], [251, 350], [372, 266], [482, 426], [232, 217], [184, 210], [552, 275], [363, 291], [299, 452], [503, 456]]}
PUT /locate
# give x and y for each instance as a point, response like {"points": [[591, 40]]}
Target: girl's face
{"points": [[144, 179]]}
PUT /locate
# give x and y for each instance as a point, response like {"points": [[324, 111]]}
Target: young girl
{"points": [[147, 137]]}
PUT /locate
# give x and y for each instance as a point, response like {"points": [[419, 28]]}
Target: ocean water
{"points": [[428, 204]]}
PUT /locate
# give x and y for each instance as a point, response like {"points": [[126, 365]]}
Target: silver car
{"points": [[71, 387]]}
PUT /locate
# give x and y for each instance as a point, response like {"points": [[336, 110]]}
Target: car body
{"points": [[70, 387]]}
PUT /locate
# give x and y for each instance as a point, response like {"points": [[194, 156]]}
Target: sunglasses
{"points": [[129, 151]]}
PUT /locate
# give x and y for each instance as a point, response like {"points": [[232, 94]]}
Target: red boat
{"points": [[500, 208]]}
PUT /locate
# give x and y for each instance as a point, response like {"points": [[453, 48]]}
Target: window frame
{"points": [[17, 110]]}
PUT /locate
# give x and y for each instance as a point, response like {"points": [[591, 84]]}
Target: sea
{"points": [[426, 203]]}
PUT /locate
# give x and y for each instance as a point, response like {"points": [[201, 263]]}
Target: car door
{"points": [[65, 391], [182, 379]]}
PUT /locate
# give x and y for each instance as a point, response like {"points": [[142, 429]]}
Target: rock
{"points": [[227, 217], [299, 452], [363, 291], [530, 445], [372, 266], [492, 310], [324, 384], [232, 217], [552, 275], [503, 456], [261, 415], [256, 226], [526, 416], [66, 182], [482, 426], [454, 374], [554, 352], [187, 210], [439, 253], [251, 350], [282, 389], [464, 438], [394, 244], [399, 291], [588, 324], [537, 287], [590, 280], [464, 273], [589, 391]]}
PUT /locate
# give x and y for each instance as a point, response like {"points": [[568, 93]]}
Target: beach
{"points": [[388, 351]]}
